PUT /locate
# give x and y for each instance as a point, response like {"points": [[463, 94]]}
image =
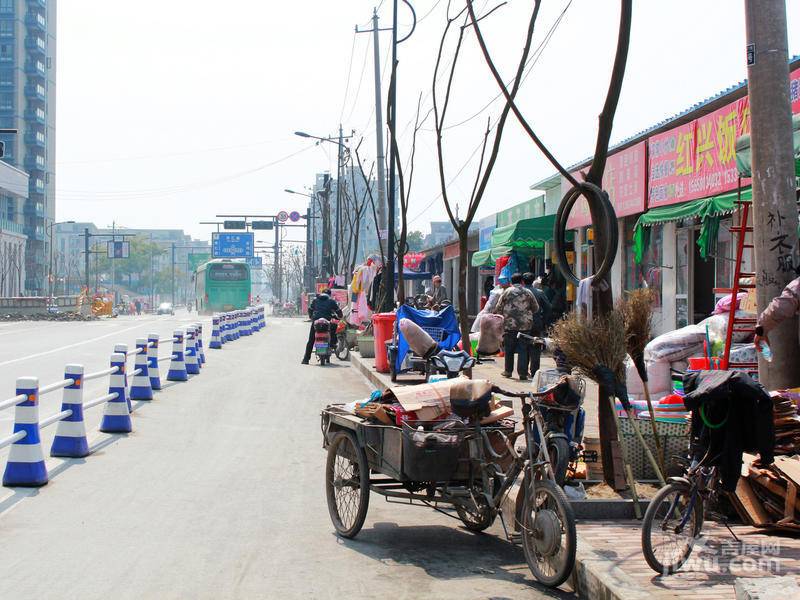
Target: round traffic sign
{"points": [[283, 216], [294, 216]]}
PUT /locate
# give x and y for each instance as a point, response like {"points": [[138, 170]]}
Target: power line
{"points": [[360, 82], [349, 72]]}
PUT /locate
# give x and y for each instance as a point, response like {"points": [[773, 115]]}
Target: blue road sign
{"points": [[232, 245], [254, 261]]}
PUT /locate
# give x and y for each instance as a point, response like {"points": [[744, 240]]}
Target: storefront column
{"points": [[667, 320]]}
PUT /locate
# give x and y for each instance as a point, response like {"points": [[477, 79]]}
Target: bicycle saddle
{"points": [[470, 398]]}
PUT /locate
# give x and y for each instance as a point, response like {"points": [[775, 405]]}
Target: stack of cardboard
{"points": [[787, 423], [770, 496]]}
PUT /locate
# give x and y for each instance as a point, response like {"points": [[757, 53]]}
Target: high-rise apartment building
{"points": [[28, 104]]}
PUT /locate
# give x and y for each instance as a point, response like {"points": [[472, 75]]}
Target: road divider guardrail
{"points": [[26, 462]]}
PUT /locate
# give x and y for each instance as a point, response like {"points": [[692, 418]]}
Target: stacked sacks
{"points": [[420, 342], [491, 334]]}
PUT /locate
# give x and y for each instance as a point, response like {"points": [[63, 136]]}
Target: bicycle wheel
{"points": [[477, 518], [558, 449], [549, 539], [665, 543], [347, 484]]}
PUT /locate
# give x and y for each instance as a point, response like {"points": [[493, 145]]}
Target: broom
{"points": [[637, 315], [596, 348]]}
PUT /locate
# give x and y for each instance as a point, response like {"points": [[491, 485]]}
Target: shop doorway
{"points": [[703, 279]]}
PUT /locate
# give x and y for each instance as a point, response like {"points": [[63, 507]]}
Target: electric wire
{"points": [[349, 73]]}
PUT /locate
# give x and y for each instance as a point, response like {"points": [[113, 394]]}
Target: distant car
{"points": [[165, 308]]}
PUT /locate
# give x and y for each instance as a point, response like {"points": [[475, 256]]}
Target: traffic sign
{"points": [[283, 216], [294, 216], [234, 224], [232, 245], [261, 224], [254, 261], [117, 249]]}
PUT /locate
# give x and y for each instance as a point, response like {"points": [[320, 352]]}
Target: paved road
{"points": [[218, 493]]}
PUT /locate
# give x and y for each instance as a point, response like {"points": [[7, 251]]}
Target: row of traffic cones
{"points": [[230, 326]]}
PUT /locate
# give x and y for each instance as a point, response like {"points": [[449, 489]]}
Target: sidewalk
{"points": [[610, 563]]}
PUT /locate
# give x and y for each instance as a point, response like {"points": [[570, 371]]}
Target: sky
{"points": [[170, 112]]}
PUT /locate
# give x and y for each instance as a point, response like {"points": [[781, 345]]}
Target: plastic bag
{"points": [[676, 345], [491, 330], [718, 327]]}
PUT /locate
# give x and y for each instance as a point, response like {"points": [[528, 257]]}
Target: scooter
{"points": [[450, 363], [342, 349], [322, 341], [563, 424]]}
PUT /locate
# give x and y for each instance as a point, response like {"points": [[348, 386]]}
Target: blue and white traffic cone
{"points": [[123, 349], [245, 325], [201, 355], [25, 466], [117, 415], [70, 440], [262, 321], [237, 325], [140, 384], [152, 361], [192, 366], [177, 366], [216, 340]]}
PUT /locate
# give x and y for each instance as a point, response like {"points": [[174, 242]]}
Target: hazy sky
{"points": [[172, 111]]}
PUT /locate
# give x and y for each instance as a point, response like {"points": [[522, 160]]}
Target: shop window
{"points": [[649, 272], [724, 256]]}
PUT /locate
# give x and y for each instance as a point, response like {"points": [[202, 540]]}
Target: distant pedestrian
{"points": [[517, 305], [541, 321], [437, 292], [138, 306]]}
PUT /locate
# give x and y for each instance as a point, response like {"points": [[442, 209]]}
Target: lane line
{"points": [[68, 346]]}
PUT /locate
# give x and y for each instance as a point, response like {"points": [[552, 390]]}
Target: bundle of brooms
{"points": [[597, 348]]}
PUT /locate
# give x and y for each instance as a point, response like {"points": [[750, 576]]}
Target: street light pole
{"points": [[50, 273]]}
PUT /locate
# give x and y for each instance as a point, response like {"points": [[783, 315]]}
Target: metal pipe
{"points": [[13, 401], [55, 418], [12, 438], [100, 400], [99, 374], [56, 386]]}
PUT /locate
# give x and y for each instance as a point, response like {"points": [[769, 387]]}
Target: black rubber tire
{"points": [[344, 446], [558, 448], [557, 502], [477, 523], [650, 519]]}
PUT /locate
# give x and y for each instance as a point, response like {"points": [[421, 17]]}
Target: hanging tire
{"points": [[549, 539], [665, 549], [558, 449], [347, 484]]}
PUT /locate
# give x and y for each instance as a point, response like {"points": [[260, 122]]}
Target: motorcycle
{"points": [[342, 349], [323, 331], [449, 363], [563, 424]]}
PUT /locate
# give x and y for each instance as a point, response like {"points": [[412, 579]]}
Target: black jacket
{"points": [[324, 307], [740, 413]]}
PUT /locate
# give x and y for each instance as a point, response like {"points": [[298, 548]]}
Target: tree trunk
{"points": [[463, 317]]}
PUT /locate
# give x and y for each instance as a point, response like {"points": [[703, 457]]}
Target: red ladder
{"points": [[739, 324]]}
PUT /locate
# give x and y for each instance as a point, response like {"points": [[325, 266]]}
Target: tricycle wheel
{"points": [[347, 484], [549, 539], [477, 518]]}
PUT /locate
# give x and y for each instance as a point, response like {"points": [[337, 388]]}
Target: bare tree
{"points": [[486, 165]]}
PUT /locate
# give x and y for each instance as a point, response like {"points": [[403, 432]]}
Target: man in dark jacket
{"points": [[541, 320], [517, 305], [323, 307]]}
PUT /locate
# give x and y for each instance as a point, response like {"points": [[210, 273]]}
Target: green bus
{"points": [[221, 285]]}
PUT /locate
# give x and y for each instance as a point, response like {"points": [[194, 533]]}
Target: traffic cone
{"points": [[152, 361], [201, 355], [177, 366], [237, 325], [140, 384], [70, 439], [117, 415], [216, 340], [123, 349], [25, 466], [192, 366], [225, 328]]}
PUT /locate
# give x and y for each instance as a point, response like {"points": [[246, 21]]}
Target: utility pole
{"points": [[277, 260], [338, 246], [774, 200], [388, 304], [86, 257], [381, 155], [173, 274], [326, 226]]}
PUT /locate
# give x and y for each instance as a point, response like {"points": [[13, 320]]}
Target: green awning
{"points": [[483, 258], [708, 210], [744, 157], [527, 233]]}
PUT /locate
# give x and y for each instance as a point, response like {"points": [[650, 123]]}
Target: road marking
{"points": [[83, 343]]}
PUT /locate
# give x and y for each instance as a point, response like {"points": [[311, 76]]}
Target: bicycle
{"points": [[474, 487]]}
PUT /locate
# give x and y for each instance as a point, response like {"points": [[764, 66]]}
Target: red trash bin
{"points": [[383, 327]]}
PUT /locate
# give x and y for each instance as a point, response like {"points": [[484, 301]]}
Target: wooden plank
{"points": [[750, 504], [618, 466], [789, 467], [788, 507]]}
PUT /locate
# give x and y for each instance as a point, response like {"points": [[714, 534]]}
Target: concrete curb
{"points": [[595, 577]]}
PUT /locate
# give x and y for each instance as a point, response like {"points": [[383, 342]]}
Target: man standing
{"points": [[323, 307], [541, 320], [517, 305], [782, 308], [437, 293]]}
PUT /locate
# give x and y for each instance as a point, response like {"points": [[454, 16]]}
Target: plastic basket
{"points": [[437, 333], [674, 440], [430, 455]]}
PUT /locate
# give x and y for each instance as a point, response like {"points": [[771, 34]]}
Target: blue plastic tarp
{"points": [[445, 318]]}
